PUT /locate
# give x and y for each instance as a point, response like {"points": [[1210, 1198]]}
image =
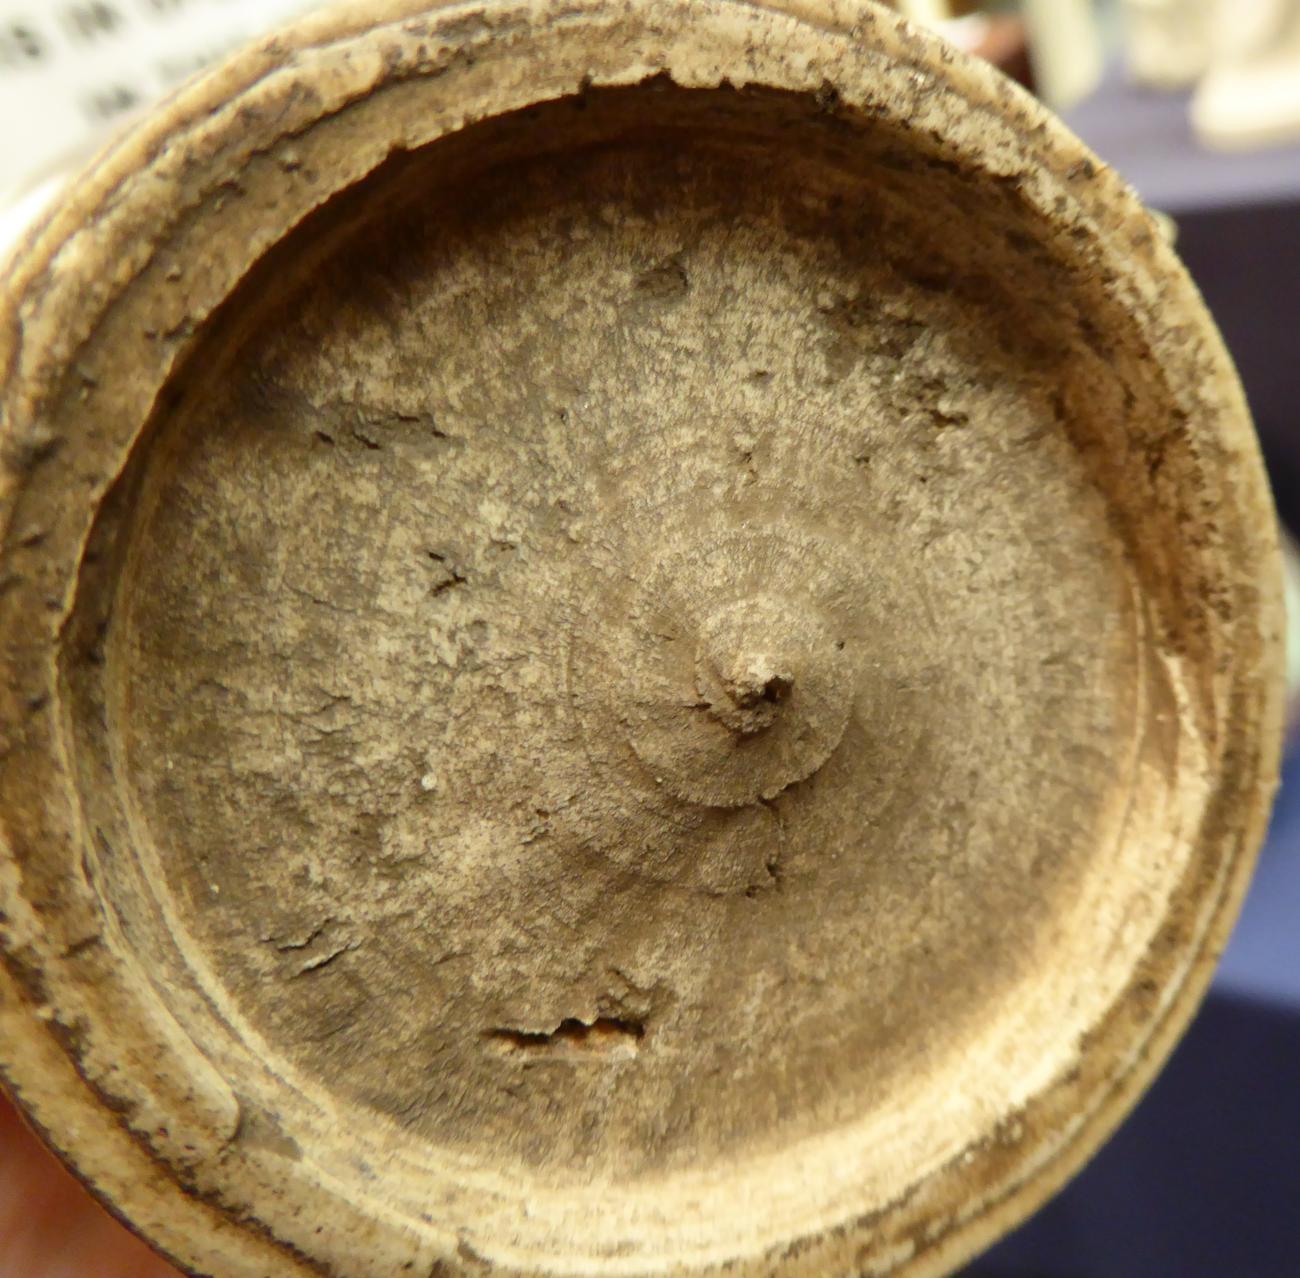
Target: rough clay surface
{"points": [[495, 527], [683, 672]]}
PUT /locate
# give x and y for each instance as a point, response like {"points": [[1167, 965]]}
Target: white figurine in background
{"points": [[1169, 43], [1250, 96], [1243, 56]]}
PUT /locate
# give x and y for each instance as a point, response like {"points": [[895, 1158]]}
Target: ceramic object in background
{"points": [[1250, 95], [637, 638], [932, 13], [1168, 44], [1065, 49]]}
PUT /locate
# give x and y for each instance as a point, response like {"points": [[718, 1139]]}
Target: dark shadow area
{"points": [[1202, 1180]]}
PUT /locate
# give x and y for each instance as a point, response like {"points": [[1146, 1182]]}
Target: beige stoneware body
{"points": [[635, 638]]}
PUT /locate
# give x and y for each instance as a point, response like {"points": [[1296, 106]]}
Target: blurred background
{"points": [[1197, 104]]}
